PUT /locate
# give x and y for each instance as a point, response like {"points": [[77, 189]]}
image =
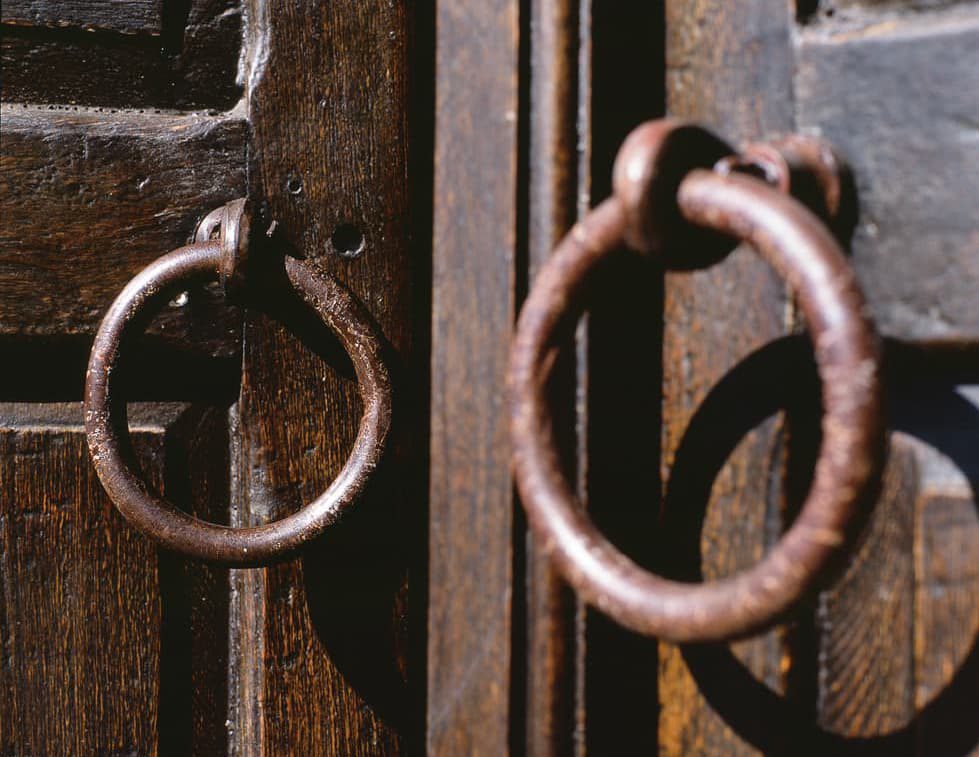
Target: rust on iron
{"points": [[231, 224], [801, 250], [804, 166], [105, 412]]}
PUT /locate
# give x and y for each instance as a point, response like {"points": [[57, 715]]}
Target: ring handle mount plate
{"points": [[797, 245], [105, 413]]}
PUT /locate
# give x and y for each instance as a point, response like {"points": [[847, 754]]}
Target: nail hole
{"points": [[347, 240], [294, 184]]}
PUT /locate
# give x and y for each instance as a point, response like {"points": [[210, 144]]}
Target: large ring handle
{"points": [[797, 245], [108, 435]]}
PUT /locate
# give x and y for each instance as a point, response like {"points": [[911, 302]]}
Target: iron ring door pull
{"points": [[800, 249], [106, 424]]}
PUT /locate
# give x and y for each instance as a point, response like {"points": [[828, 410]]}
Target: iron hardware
{"points": [[667, 198], [105, 413]]}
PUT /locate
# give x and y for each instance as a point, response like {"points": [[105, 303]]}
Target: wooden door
{"points": [[533, 101], [123, 124], [429, 156]]}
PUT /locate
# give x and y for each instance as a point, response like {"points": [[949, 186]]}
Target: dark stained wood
{"points": [[554, 645], [88, 198], [947, 627], [866, 618], [728, 67], [473, 307], [189, 62], [128, 16], [92, 629], [323, 667], [946, 565], [899, 98]]}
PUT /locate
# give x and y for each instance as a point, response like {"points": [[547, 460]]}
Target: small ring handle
{"points": [[800, 249], [107, 428]]}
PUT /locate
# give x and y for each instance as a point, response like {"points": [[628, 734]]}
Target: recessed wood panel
{"points": [[88, 198], [190, 60], [105, 649]]}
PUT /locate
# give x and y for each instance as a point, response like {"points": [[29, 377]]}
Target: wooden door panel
{"points": [[106, 650], [133, 54], [898, 95], [90, 198], [474, 267], [328, 642]]}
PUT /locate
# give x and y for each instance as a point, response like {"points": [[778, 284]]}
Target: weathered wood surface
{"points": [[105, 652], [190, 61], [127, 16], [728, 67], [473, 307], [88, 198], [898, 632], [553, 715], [858, 11], [940, 419], [323, 664], [866, 623], [898, 96]]}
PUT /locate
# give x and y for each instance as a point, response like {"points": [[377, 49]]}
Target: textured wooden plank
{"points": [[729, 67], [127, 16], [947, 632], [471, 499], [554, 651], [866, 677], [323, 667], [92, 630], [946, 560], [89, 198], [191, 63], [900, 100]]}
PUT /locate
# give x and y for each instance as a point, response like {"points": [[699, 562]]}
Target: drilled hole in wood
{"points": [[347, 240], [294, 185]]}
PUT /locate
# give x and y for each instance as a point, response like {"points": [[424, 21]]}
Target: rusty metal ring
{"points": [[802, 251], [107, 428]]}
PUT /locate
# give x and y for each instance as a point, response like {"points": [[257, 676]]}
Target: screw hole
{"points": [[294, 184], [347, 240]]}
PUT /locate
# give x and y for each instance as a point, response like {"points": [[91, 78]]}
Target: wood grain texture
{"points": [[91, 626], [322, 639], [729, 68], [900, 100], [189, 62], [866, 673], [946, 565], [128, 16], [88, 198], [947, 632], [554, 617], [474, 259]]}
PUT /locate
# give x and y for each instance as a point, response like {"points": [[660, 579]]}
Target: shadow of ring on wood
{"points": [[781, 376]]}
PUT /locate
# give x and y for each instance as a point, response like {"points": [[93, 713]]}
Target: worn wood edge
{"points": [[151, 123], [131, 17], [144, 417]]}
